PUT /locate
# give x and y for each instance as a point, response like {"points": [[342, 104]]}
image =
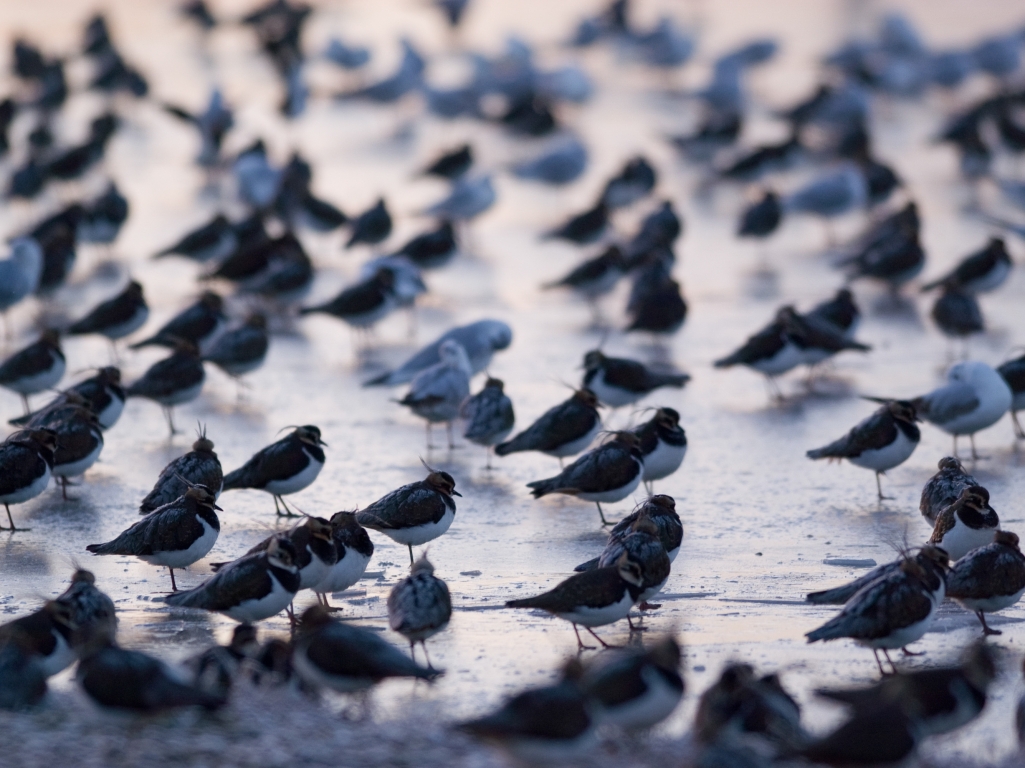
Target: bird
{"points": [[619, 381], [480, 340], [47, 634], [563, 430], [215, 669], [250, 589], [282, 468], [883, 735], [92, 611], [102, 394], [884, 440], [26, 465], [762, 160], [354, 549], [117, 317], [469, 198], [593, 598], [419, 606], [663, 445], [21, 674], [989, 578], [415, 513], [436, 393], [638, 688], [657, 307], [35, 368], [957, 313], [1013, 372], [372, 226], [363, 304], [840, 313], [944, 488], [432, 249], [608, 473], [974, 398], [894, 260], [659, 229], [198, 324], [79, 441], [643, 542], [20, 273], [895, 610], [660, 510], [563, 162], [937, 700], [175, 535], [451, 164], [258, 181], [103, 217], [172, 381], [546, 724], [968, 523], [241, 350], [582, 228], [635, 181], [489, 416], [979, 272], [594, 277], [346, 658], [408, 77], [209, 242], [200, 466]]}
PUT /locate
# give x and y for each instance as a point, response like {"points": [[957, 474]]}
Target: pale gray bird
{"points": [[437, 393], [419, 606]]}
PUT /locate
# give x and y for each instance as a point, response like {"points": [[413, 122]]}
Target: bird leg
{"points": [[562, 464], [878, 663], [410, 553], [955, 448], [1018, 431], [580, 643], [9, 519], [604, 644], [975, 454], [986, 630], [601, 514], [646, 606], [423, 644], [170, 420], [174, 587], [24, 402], [412, 650], [288, 512], [451, 439], [879, 488], [893, 666], [430, 446]]}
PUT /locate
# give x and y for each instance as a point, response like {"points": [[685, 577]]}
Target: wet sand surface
{"points": [[761, 521]]}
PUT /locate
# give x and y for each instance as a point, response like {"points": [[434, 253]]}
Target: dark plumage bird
{"points": [[354, 549], [35, 368], [659, 229], [117, 317], [22, 680], [212, 241], [894, 261], [957, 313], [46, 634], [762, 217], [643, 544], [663, 445], [595, 277], [56, 236], [252, 588], [979, 272], [1013, 372], [197, 11], [659, 509], [720, 129], [200, 466], [543, 724], [882, 441], [419, 606], [103, 218], [582, 228], [451, 165], [489, 416], [216, 668], [658, 308], [347, 658], [762, 160], [593, 598], [883, 735], [175, 535], [172, 381], [372, 226], [92, 612], [944, 488], [563, 430], [26, 464], [989, 578], [415, 513], [633, 182], [840, 313], [618, 381], [968, 523], [282, 468], [102, 394], [197, 324], [79, 441], [242, 349], [363, 304], [608, 473], [432, 249]]}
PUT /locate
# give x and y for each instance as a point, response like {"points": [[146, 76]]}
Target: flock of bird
{"points": [[744, 718]]}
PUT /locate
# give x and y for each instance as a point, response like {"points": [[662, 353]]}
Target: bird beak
{"points": [[456, 493], [219, 509], [324, 444]]}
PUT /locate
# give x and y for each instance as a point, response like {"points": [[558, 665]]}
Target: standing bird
{"points": [[282, 468], [19, 274], [92, 611], [582, 228], [47, 633], [594, 278], [618, 381], [250, 589], [102, 394], [563, 430], [830, 196], [975, 397], [635, 181], [212, 241], [437, 393], [175, 535], [968, 523], [432, 249], [761, 218], [35, 368], [660, 510], [241, 350], [957, 313], [415, 513], [450, 165], [363, 304], [895, 610], [198, 324], [657, 307], [644, 545], [663, 445], [1013, 373], [882, 441], [354, 549], [489, 416], [990, 578], [26, 464], [944, 488], [200, 466], [419, 606], [608, 473], [79, 441], [372, 226], [839, 314], [469, 198], [593, 598], [172, 381], [979, 272], [117, 317]]}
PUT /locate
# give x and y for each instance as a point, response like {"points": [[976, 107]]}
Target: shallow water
{"points": [[760, 519]]}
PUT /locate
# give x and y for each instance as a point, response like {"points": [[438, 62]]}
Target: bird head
{"points": [[244, 641], [951, 462], [668, 418], [587, 397], [422, 565], [200, 494], [82, 576], [309, 434], [344, 519], [494, 383], [594, 360], [630, 570], [61, 613], [661, 500], [934, 555], [109, 375], [1006, 538], [442, 482], [315, 617], [281, 554], [212, 301], [665, 654], [51, 337], [974, 496], [202, 443], [319, 528], [257, 320], [902, 410], [979, 664]]}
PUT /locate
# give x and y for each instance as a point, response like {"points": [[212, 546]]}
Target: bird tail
{"points": [[727, 362], [932, 286], [233, 481], [590, 565], [191, 598], [836, 596], [518, 443], [151, 341], [527, 602], [826, 452], [107, 548], [542, 487], [379, 381], [829, 631]]}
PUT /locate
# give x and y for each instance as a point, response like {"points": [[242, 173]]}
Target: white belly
{"points": [[788, 358], [650, 592], [663, 461], [40, 381], [30, 492], [991, 281], [994, 402], [616, 494], [313, 574], [991, 604], [599, 617], [961, 540], [418, 635], [314, 676], [576, 446], [882, 459], [344, 573], [297, 482], [612, 396], [185, 557], [61, 658], [647, 710], [249, 611], [76, 468], [134, 323], [421, 534], [108, 416], [912, 632]]}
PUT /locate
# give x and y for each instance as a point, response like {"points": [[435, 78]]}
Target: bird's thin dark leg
{"points": [[410, 553], [1018, 431], [975, 454], [601, 514], [630, 623], [604, 644], [64, 487], [562, 464], [429, 444], [878, 663], [580, 643], [986, 629], [170, 420], [451, 439], [893, 666], [174, 587], [24, 402], [955, 447], [412, 651], [9, 519], [288, 512], [423, 644], [879, 487], [646, 606], [487, 452]]}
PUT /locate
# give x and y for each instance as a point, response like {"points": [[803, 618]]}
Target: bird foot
{"points": [[581, 648], [987, 631], [646, 606], [12, 528], [906, 652]]}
